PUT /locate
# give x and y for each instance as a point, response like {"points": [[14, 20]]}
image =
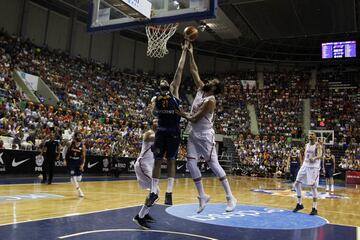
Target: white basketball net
{"points": [[158, 36]]}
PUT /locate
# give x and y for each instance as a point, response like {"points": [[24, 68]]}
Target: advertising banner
{"points": [[352, 177]]}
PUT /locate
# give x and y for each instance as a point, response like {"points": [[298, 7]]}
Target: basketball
{"points": [[191, 33]]}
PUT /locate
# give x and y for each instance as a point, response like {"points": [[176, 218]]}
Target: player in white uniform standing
{"points": [[201, 142], [309, 172], [143, 169]]}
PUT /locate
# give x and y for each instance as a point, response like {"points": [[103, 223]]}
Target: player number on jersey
{"points": [[165, 103]]}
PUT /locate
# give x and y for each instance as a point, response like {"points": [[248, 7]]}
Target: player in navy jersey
{"points": [[75, 160], [329, 168], [294, 163], [167, 136]]}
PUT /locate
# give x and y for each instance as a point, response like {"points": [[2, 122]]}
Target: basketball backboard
{"points": [[111, 15]]}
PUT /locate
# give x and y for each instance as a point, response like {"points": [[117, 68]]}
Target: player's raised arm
{"points": [[175, 84], [194, 69]]}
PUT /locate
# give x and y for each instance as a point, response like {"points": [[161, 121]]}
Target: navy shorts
{"points": [[293, 172], [329, 172], [74, 167], [166, 144]]}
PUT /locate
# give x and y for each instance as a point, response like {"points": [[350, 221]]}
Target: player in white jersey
{"points": [[309, 172], [143, 169], [201, 142]]}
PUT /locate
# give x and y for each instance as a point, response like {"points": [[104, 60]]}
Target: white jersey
{"points": [[144, 165], [206, 122], [146, 150], [311, 152]]}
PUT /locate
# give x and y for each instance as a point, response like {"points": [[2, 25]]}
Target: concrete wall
{"points": [[58, 31], [10, 15]]}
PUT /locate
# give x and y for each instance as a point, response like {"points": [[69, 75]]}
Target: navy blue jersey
{"points": [[294, 161], [328, 162], [165, 106], [75, 153]]}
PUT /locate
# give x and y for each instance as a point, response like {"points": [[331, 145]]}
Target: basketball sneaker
{"points": [[141, 222], [314, 211], [149, 218], [168, 198], [153, 197], [298, 207], [231, 203], [327, 188], [332, 188], [203, 200]]}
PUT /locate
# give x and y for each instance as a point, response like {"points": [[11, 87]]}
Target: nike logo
{"points": [[92, 165], [132, 163], [1, 160], [178, 167], [15, 164]]}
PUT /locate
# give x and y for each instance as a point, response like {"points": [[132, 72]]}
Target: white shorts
{"points": [[143, 170], [201, 145], [308, 176]]}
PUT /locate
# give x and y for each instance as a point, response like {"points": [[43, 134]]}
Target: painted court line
{"points": [[137, 230], [85, 213]]}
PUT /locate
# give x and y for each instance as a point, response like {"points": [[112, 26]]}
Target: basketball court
{"points": [[31, 210]]}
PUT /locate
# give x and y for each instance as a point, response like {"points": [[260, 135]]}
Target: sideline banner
{"points": [[32, 163], [352, 177]]}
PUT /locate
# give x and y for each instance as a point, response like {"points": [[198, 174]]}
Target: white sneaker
{"points": [[81, 194], [202, 202], [231, 203], [332, 189], [327, 188]]}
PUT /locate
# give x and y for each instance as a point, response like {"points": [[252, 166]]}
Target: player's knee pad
{"points": [[193, 169], [217, 169]]}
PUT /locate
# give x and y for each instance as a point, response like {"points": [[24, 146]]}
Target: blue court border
{"points": [[122, 219]]}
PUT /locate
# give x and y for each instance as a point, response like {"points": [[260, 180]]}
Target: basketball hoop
{"points": [[158, 36]]}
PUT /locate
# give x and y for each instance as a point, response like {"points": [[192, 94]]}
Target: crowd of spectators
{"points": [[110, 107], [102, 104], [262, 156], [232, 115], [279, 104], [351, 158], [336, 108]]}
